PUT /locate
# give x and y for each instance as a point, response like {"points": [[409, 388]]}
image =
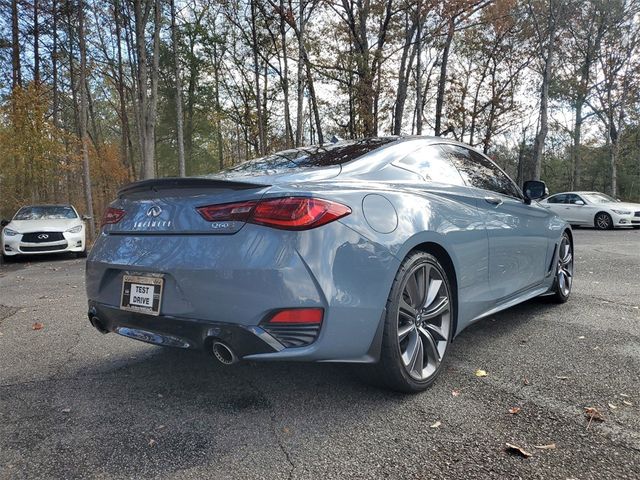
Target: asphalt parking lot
{"points": [[78, 404]]}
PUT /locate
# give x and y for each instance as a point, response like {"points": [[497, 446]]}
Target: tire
{"points": [[564, 271], [603, 221], [417, 331]]}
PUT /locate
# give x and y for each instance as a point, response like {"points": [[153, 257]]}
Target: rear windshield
{"points": [[307, 157], [45, 213]]}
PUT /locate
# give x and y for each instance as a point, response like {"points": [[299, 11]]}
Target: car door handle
{"points": [[493, 200]]}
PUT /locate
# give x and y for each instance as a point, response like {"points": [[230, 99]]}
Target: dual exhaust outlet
{"points": [[221, 351]]}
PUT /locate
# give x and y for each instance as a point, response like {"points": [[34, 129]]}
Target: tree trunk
{"points": [[285, 80], [83, 120], [15, 46], [314, 100], [406, 62], [150, 164], [301, 82], [216, 71], [538, 146], [443, 78], [147, 100], [36, 43], [575, 150], [256, 76], [191, 100], [124, 120], [72, 75], [613, 160], [179, 118], [54, 63], [419, 71], [521, 159]]}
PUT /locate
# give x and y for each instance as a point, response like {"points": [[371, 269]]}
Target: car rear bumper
{"points": [[181, 332], [238, 281]]}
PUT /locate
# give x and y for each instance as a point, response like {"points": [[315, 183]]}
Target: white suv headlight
{"points": [[621, 212], [76, 229], [10, 233]]}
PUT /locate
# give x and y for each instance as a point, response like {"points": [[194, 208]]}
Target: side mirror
{"points": [[4, 223], [578, 202], [86, 218], [534, 190]]}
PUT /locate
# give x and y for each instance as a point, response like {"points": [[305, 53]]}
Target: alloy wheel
{"points": [[424, 321], [603, 221], [565, 267]]}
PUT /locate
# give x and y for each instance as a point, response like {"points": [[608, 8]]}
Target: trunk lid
{"points": [[169, 206]]}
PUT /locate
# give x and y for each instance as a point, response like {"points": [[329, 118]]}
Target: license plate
{"points": [[142, 294]]}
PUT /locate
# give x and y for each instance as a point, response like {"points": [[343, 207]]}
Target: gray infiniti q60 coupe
{"points": [[375, 251]]}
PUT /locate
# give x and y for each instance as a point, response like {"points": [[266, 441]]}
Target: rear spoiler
{"points": [[173, 183]]}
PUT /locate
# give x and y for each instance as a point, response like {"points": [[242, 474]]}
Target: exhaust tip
{"points": [[97, 324], [223, 353]]}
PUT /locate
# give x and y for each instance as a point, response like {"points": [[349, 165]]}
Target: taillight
{"points": [[112, 215], [288, 213], [298, 213], [227, 211], [298, 316]]}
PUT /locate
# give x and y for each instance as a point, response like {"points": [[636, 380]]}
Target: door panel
{"points": [[576, 213], [518, 245], [517, 232]]}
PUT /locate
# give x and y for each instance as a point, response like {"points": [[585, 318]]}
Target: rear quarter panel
{"points": [[441, 214]]}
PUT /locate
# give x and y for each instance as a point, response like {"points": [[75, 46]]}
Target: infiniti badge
{"points": [[43, 236], [154, 211]]}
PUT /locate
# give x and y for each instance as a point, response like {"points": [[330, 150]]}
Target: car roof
{"points": [[582, 192], [48, 205]]}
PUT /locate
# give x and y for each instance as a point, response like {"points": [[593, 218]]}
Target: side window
{"points": [[478, 171], [433, 165], [572, 198], [557, 198]]}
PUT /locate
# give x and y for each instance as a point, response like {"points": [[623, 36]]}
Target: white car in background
{"points": [[593, 209], [40, 229]]}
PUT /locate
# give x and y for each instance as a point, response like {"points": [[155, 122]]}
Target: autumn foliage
{"points": [[40, 162]]}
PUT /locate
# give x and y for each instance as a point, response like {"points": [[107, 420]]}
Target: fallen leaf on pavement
{"points": [[551, 446], [455, 393], [612, 406], [561, 378], [161, 427], [592, 414], [525, 381], [627, 403], [152, 443], [624, 395], [37, 326], [436, 425], [517, 450], [481, 373], [514, 410], [581, 337], [66, 410]]}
